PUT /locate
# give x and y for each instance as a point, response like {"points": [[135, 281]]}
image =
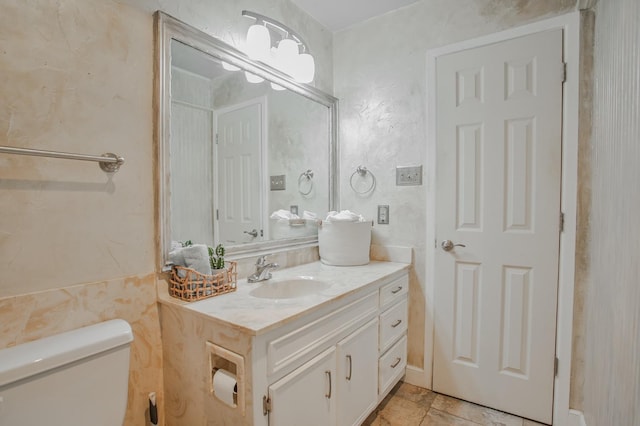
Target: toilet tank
{"points": [[76, 378]]}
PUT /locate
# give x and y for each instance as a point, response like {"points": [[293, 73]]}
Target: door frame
{"points": [[264, 137], [570, 24]]}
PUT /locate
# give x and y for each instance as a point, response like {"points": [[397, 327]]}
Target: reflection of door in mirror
{"points": [[240, 198], [216, 190]]}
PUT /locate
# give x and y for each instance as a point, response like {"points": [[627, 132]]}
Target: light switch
{"points": [[383, 214], [278, 183], [409, 175]]}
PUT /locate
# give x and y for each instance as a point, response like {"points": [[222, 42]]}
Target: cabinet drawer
{"points": [[294, 348], [391, 366], [394, 291], [393, 323]]}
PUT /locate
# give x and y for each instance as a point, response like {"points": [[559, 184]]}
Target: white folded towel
{"points": [[344, 216], [195, 257], [176, 256], [283, 215]]}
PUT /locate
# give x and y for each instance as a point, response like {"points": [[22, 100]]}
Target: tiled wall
{"points": [[186, 368], [78, 246], [32, 316], [612, 332]]}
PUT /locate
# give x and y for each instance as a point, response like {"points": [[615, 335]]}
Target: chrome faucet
{"points": [[263, 270]]}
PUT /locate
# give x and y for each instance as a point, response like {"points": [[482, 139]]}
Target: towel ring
{"points": [[363, 171], [308, 175]]}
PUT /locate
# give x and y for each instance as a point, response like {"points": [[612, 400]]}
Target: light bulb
{"points": [[272, 59], [305, 69], [227, 66], [258, 42], [252, 78], [277, 87], [287, 56]]}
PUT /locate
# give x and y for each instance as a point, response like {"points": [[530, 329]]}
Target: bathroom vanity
{"points": [[316, 345], [319, 345]]}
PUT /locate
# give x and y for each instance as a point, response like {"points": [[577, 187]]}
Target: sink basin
{"points": [[289, 288]]}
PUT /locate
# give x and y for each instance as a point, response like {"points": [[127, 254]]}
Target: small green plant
{"points": [[187, 243], [216, 257]]}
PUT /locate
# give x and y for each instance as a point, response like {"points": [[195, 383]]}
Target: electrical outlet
{"points": [[408, 175], [278, 183], [383, 214]]}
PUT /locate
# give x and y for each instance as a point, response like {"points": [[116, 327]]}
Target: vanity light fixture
{"points": [[289, 55], [259, 41]]}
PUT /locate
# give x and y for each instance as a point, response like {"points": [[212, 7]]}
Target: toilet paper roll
{"points": [[225, 386]]}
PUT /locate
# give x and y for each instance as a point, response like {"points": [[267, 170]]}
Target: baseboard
{"points": [[576, 418], [417, 377]]}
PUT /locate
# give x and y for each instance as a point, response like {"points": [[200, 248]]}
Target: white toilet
{"points": [[77, 378]]}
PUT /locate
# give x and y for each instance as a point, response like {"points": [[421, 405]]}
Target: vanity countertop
{"points": [[256, 316]]}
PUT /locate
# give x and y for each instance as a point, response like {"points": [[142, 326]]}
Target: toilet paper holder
{"points": [[223, 359]]}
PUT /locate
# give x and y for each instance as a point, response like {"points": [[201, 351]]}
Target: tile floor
{"points": [[409, 405]]}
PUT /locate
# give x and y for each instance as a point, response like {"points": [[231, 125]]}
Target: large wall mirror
{"points": [[237, 158]]}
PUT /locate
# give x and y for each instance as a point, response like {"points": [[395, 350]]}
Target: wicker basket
{"points": [[196, 286]]}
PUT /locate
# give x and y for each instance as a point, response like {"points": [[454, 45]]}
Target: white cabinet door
{"points": [[306, 396], [357, 374]]}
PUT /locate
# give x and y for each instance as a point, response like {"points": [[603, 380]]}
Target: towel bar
{"points": [[109, 162]]}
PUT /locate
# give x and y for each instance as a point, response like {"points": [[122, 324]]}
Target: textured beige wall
{"points": [[76, 77], [77, 245], [380, 79], [612, 331], [82, 82], [584, 207]]}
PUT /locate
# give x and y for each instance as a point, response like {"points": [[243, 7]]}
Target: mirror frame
{"points": [[168, 28]]}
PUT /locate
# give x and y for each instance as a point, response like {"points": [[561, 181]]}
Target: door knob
{"points": [[447, 245], [253, 233]]}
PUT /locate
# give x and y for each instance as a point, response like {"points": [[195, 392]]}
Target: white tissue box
{"points": [[344, 243]]}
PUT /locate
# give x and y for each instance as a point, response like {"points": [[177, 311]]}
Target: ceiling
{"points": [[337, 15]]}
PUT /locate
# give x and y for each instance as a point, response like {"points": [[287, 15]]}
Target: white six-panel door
{"points": [[239, 174], [499, 118]]}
